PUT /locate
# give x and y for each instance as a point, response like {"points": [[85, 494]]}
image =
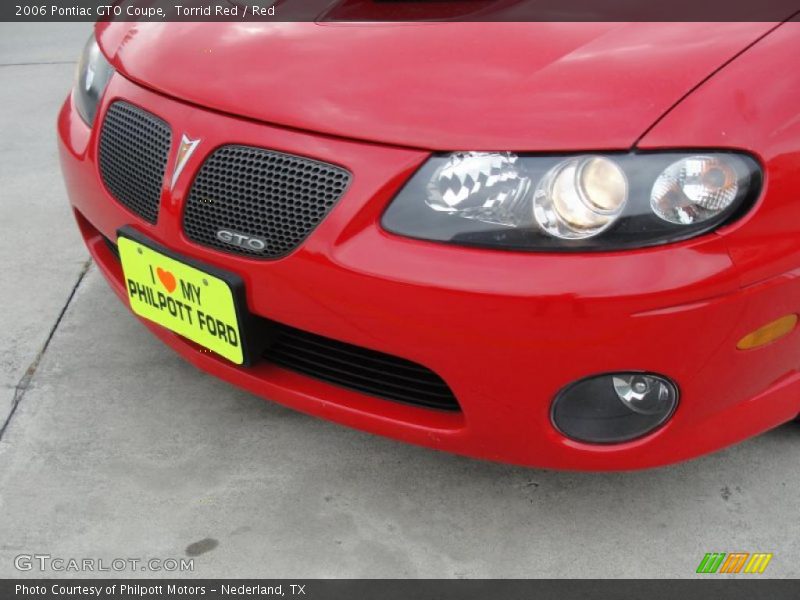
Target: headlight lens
{"points": [[581, 197], [479, 185], [93, 74], [579, 202], [694, 189]]}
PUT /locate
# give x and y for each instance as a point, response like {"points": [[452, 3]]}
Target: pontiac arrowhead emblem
{"points": [[185, 151]]}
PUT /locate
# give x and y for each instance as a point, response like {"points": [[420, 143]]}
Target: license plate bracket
{"points": [[200, 302]]}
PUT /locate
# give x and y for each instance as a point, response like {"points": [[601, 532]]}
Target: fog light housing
{"points": [[614, 407]]}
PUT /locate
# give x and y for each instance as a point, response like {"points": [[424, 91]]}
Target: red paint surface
{"points": [[444, 86], [506, 330]]}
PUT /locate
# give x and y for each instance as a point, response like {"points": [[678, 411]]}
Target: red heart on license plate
{"points": [[167, 279]]}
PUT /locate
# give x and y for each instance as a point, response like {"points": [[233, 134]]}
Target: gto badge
{"points": [[241, 240], [185, 151]]}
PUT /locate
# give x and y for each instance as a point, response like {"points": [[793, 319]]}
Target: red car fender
{"points": [[752, 104]]}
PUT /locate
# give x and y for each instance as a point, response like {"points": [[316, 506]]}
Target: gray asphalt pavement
{"points": [[113, 447]]}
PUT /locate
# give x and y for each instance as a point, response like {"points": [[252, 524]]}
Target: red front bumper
{"points": [[505, 330]]}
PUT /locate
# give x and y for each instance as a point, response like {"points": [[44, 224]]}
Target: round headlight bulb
{"points": [[580, 197], [694, 189]]}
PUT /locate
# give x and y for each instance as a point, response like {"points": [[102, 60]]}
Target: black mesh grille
{"points": [[359, 369], [134, 146], [276, 198]]}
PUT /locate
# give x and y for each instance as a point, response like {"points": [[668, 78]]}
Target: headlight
{"points": [[91, 79], [478, 185], [694, 189], [579, 202], [581, 197]]}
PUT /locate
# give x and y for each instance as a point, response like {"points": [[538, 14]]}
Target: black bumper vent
{"points": [[273, 198], [359, 369], [352, 367], [134, 147]]}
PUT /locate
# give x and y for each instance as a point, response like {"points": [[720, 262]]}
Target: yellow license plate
{"points": [[189, 301]]}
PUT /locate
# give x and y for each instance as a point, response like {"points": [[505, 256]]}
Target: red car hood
{"points": [[444, 86]]}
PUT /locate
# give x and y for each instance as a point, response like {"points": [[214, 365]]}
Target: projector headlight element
{"points": [[581, 197], [91, 79], [581, 202]]}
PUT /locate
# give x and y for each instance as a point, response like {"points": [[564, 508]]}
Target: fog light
{"points": [[615, 407]]}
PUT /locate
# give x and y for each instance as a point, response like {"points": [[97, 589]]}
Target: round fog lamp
{"points": [[614, 407]]}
